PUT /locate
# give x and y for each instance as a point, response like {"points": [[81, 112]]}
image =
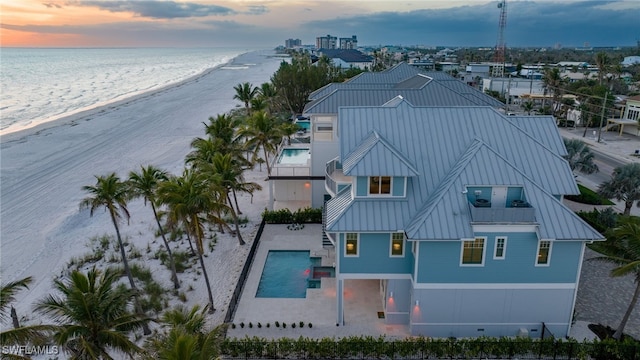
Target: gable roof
{"points": [[377, 157], [452, 148]]}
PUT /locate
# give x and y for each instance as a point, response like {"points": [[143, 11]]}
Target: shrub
{"points": [[588, 196], [277, 324], [242, 325], [301, 324]]}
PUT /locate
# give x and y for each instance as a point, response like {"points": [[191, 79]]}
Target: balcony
{"points": [[334, 179], [519, 213], [292, 161]]}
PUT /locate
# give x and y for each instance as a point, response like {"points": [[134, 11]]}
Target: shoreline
{"points": [[44, 168], [80, 114]]}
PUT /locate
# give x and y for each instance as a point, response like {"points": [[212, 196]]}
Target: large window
{"points": [[473, 251], [544, 253], [397, 244], [500, 248], [380, 185], [351, 244]]}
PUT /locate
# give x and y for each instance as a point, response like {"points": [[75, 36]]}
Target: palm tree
{"points": [[579, 156], [622, 249], [269, 94], [554, 82], [245, 92], [602, 61], [188, 198], [230, 179], [261, 131], [528, 106], [145, 184], [623, 186], [113, 194], [92, 316], [187, 337], [18, 335]]}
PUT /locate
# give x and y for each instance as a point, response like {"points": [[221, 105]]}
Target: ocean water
{"points": [[40, 85]]}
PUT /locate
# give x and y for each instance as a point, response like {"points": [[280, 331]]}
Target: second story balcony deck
{"points": [[334, 179], [517, 212]]}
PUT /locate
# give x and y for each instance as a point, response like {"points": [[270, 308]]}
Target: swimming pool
{"points": [[285, 274], [304, 124], [294, 156]]}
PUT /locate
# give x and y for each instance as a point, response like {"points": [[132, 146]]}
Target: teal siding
{"points": [[485, 193], [362, 186], [374, 256], [398, 186], [440, 262]]}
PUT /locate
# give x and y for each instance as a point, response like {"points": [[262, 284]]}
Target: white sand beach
{"points": [[44, 168]]}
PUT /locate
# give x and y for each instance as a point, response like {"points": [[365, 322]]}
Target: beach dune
{"points": [[44, 168]]}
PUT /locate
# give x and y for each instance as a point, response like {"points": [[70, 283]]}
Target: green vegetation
{"points": [[588, 196], [285, 216]]}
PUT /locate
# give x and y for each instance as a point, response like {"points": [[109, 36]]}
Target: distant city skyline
{"points": [[268, 23]]}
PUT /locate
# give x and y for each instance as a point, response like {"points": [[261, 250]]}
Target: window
{"points": [[397, 244], [351, 244], [324, 127], [544, 252], [473, 252], [500, 248], [380, 185]]}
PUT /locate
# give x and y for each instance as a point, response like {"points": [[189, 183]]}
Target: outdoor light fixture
{"points": [[391, 294], [417, 302], [307, 185]]}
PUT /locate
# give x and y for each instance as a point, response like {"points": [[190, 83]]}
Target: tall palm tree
{"points": [[623, 186], [113, 194], [189, 200], [269, 94], [622, 249], [554, 83], [8, 293], [602, 62], [145, 184], [579, 156], [528, 107], [230, 179], [262, 132], [245, 92], [91, 316]]}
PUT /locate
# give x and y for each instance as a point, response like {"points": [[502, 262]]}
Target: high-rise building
{"points": [[349, 43], [291, 43], [326, 42]]}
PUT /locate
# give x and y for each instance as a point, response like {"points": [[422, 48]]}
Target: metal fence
{"points": [[233, 303]]}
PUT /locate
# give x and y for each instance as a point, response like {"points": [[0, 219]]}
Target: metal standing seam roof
{"points": [[435, 139], [393, 75], [365, 159], [543, 128], [446, 214]]}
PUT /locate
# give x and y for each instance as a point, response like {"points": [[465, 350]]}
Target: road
{"points": [[606, 165]]}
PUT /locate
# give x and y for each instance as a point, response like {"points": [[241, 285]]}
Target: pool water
{"points": [[288, 274], [305, 125], [294, 156]]}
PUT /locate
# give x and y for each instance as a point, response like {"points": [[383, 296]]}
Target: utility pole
{"points": [[604, 103]]}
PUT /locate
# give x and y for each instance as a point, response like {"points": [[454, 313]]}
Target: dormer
{"points": [[378, 169], [499, 204]]}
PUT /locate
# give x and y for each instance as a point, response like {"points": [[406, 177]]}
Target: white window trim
{"points": [[548, 255], [379, 195], [404, 245], [357, 245], [484, 251], [495, 248]]}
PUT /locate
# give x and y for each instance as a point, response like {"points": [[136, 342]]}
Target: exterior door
{"points": [[499, 197]]}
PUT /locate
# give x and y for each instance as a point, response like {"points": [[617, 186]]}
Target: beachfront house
{"points": [[629, 121], [457, 212], [299, 170]]}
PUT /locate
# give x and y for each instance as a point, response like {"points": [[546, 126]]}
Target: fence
{"points": [[233, 303]]}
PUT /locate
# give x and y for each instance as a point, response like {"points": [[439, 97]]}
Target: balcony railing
{"points": [[508, 215], [334, 177], [294, 166]]}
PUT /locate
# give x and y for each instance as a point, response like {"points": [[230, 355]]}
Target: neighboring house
{"points": [[347, 58], [630, 60], [629, 122], [457, 212], [299, 181]]}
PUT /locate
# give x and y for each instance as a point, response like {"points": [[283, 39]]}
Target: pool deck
{"points": [[362, 300]]}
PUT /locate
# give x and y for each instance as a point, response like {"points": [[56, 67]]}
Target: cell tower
{"points": [[499, 58]]}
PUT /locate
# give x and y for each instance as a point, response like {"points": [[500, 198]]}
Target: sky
{"points": [[268, 23]]}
